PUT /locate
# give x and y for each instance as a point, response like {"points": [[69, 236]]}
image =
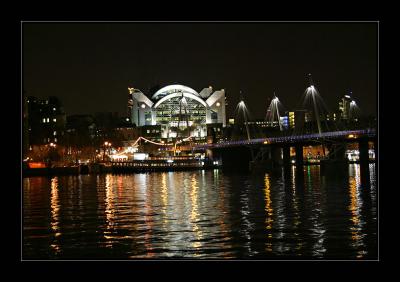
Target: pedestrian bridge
{"points": [[346, 134]]}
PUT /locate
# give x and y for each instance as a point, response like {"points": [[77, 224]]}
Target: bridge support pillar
{"points": [[209, 154], [286, 155], [276, 155], [363, 149], [299, 154], [337, 152], [341, 152]]}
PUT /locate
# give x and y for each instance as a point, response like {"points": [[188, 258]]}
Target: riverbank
{"points": [[103, 168], [67, 170]]}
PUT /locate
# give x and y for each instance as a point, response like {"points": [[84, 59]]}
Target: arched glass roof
{"points": [[171, 89]]}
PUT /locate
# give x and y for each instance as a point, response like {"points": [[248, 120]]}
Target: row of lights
{"points": [[144, 106], [48, 120]]}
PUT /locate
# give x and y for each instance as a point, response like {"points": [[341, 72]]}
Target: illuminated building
{"points": [[177, 111], [291, 120], [284, 122], [46, 120], [344, 107]]}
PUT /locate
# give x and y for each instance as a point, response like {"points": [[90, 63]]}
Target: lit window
{"points": [[148, 131], [44, 120], [55, 140], [54, 109], [54, 120], [55, 133], [48, 120]]}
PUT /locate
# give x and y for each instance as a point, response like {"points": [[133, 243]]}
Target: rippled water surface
{"points": [[284, 214]]}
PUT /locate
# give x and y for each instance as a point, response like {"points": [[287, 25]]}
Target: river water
{"points": [[205, 214]]}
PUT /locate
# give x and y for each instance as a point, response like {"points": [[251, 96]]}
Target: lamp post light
{"points": [[104, 149], [106, 145], [109, 148], [51, 152]]}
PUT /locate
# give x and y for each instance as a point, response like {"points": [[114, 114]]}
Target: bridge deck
{"points": [[292, 138]]}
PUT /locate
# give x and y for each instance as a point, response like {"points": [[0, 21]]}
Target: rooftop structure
{"points": [[180, 110]]}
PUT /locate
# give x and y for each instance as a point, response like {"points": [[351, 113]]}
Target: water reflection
{"points": [[355, 207], [317, 212], [269, 210], [194, 216], [148, 219], [55, 214], [296, 214], [247, 225], [109, 211], [201, 214]]}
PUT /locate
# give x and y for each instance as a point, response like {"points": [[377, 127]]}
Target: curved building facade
{"points": [[178, 110]]}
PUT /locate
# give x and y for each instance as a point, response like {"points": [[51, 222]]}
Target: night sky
{"points": [[89, 66]]}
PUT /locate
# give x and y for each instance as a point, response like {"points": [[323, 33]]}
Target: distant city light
{"points": [[218, 104], [140, 156], [143, 106]]}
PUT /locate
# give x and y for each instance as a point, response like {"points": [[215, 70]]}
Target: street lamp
{"points": [[106, 144], [104, 149]]}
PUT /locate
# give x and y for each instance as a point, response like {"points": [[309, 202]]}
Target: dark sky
{"points": [[89, 66]]}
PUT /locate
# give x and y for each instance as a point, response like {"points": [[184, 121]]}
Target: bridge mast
{"points": [[312, 89], [275, 100], [242, 105]]}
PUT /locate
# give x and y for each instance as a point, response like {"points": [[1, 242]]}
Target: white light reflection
{"points": [[194, 215], [296, 214], [245, 212], [372, 181], [149, 218], [318, 229]]}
